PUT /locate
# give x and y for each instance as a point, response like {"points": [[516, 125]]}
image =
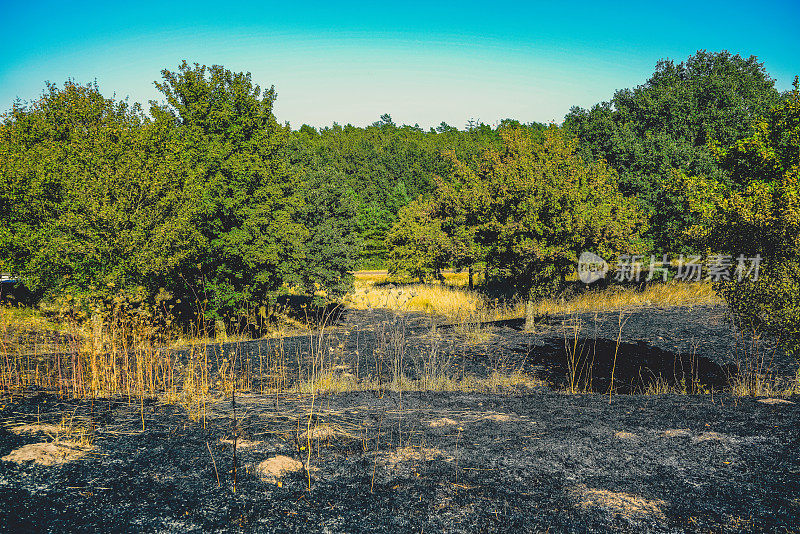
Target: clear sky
{"points": [[422, 62]]}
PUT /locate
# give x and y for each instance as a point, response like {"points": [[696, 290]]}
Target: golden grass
{"points": [[21, 319], [619, 298], [123, 357], [626, 505], [766, 386], [428, 298], [380, 277], [458, 304]]}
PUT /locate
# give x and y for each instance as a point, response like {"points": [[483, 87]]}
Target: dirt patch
{"points": [[626, 505], [413, 455], [625, 435], [775, 401], [273, 469], [444, 421], [48, 453], [53, 430]]}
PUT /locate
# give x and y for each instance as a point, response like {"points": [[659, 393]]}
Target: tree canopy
{"points": [[671, 122], [755, 213], [528, 211]]}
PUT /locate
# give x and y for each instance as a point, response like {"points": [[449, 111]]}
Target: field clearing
{"points": [[453, 300]]}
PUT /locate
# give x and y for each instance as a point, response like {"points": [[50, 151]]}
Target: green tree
{"points": [[331, 251], [80, 199], [418, 248], [755, 212], [96, 199], [232, 155], [527, 210], [670, 123], [538, 204]]}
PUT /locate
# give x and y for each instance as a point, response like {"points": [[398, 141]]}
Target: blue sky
{"points": [[423, 62]]}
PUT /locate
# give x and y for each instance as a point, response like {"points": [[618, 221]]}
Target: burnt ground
{"points": [[534, 460], [693, 348]]}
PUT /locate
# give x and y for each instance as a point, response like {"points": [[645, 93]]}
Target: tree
{"points": [[97, 200], [233, 161], [331, 251], [755, 213], [418, 248], [538, 205], [80, 200], [528, 210], [670, 123]]}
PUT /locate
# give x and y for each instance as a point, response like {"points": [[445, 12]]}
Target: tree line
{"points": [[208, 199]]}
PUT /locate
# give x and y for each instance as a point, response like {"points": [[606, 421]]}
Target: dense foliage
{"points": [[755, 212], [195, 203], [527, 212], [207, 202], [672, 122], [386, 166]]}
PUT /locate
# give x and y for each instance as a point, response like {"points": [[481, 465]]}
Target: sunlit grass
{"points": [[457, 303], [617, 298], [452, 302], [496, 382]]}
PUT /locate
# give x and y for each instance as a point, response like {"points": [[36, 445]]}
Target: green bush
{"points": [[756, 212]]}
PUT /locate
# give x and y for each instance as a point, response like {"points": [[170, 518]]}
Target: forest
{"points": [[206, 201]]}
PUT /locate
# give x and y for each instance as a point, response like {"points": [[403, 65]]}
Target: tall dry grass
{"points": [[451, 298], [456, 303], [616, 298], [135, 357]]}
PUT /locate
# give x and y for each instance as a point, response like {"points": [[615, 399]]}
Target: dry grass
{"points": [[428, 298], [413, 455], [454, 302], [66, 430], [626, 505], [621, 298], [497, 382], [770, 387], [21, 319], [124, 356], [382, 277], [756, 377], [48, 454]]}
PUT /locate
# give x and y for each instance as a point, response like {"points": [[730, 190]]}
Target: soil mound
{"points": [[273, 469], [48, 453], [627, 505]]}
